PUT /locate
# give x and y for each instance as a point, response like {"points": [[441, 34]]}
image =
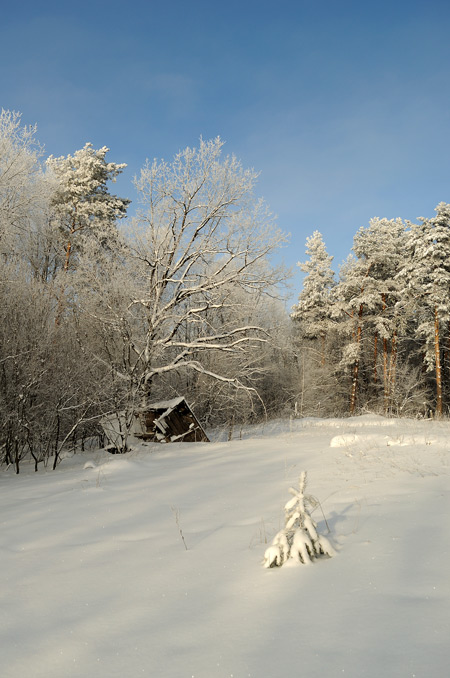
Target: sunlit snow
{"points": [[97, 582]]}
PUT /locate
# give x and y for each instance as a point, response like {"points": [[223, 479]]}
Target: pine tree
{"points": [[366, 294], [299, 540], [83, 209], [82, 203], [426, 283], [313, 307]]}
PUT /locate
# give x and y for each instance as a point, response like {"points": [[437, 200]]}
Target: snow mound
{"points": [[361, 421], [374, 440], [345, 440]]}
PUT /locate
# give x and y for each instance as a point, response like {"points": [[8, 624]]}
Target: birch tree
{"points": [[22, 186], [46, 387], [19, 167], [200, 237]]}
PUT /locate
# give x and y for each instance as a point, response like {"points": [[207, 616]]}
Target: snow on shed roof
{"points": [[162, 405]]}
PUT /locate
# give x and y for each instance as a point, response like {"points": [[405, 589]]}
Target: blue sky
{"points": [[344, 107]]}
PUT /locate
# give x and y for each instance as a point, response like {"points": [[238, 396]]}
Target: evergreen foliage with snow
{"points": [[388, 334], [426, 283], [367, 295], [83, 206], [313, 307], [184, 300], [299, 541]]}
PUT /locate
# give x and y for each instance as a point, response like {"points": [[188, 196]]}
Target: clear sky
{"points": [[343, 106]]}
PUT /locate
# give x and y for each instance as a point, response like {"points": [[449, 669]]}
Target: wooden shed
{"points": [[168, 421]]}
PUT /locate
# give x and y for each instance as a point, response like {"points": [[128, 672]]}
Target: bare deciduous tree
{"points": [[194, 264]]}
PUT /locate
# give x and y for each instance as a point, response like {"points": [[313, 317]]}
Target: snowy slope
{"points": [[96, 580]]}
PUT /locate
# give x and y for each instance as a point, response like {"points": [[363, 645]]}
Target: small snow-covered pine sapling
{"points": [[299, 540]]}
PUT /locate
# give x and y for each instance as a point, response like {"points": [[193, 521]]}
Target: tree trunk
{"points": [[385, 363], [356, 364], [354, 387], [357, 339], [438, 369], [385, 374], [375, 358], [67, 258], [390, 382], [446, 357], [68, 248]]}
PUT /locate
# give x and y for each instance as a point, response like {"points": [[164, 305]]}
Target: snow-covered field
{"points": [[96, 580]]}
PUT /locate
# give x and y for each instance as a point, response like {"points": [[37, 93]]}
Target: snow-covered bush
{"points": [[299, 540]]}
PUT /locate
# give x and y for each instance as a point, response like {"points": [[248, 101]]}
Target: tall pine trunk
{"points": [[385, 375], [68, 250], [389, 387], [357, 338], [356, 364], [322, 349], [446, 358], [375, 358], [438, 368]]}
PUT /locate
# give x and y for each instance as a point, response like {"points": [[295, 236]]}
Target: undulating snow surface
{"points": [[96, 580]]}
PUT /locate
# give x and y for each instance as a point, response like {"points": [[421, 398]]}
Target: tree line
{"points": [[379, 335], [102, 312]]}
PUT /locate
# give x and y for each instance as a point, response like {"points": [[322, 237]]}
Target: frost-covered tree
{"points": [[312, 310], [425, 279], [48, 390], [313, 329], [26, 191], [299, 541], [367, 294], [199, 238], [22, 186], [391, 315], [83, 207], [84, 212]]}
